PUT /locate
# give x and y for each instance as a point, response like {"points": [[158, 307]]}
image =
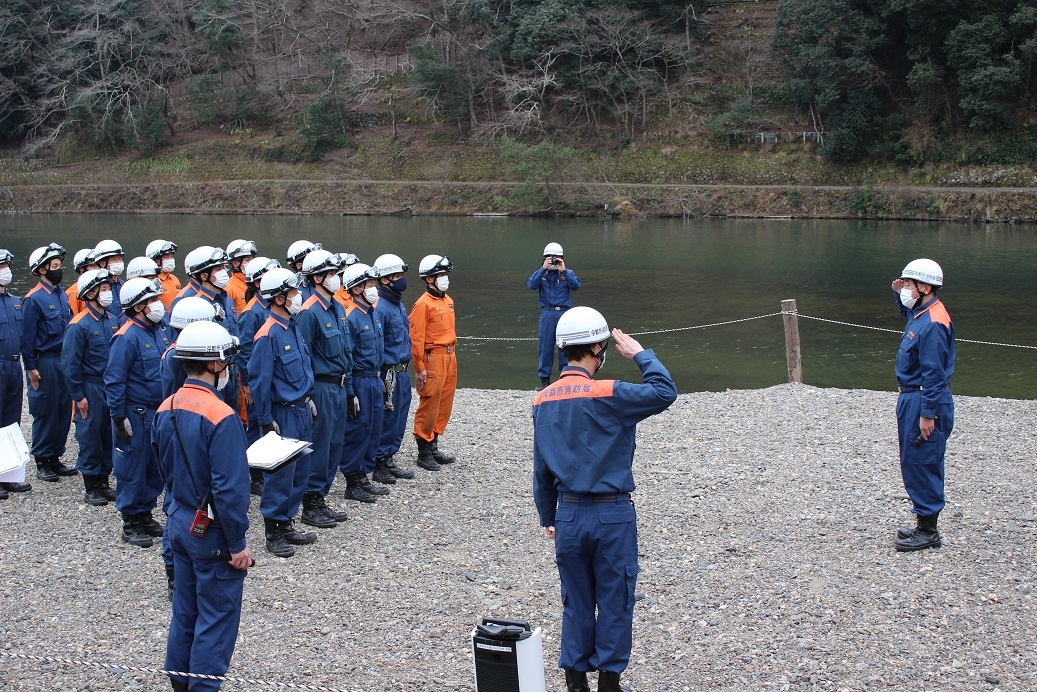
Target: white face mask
{"points": [[5, 276], [371, 295], [116, 268], [156, 311], [168, 265], [221, 278], [907, 298], [221, 384], [333, 283], [295, 304], [443, 282], [105, 298]]}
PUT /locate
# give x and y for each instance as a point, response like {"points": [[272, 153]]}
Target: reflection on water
{"points": [[661, 274]]}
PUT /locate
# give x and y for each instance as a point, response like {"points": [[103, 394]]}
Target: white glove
{"points": [[313, 408]]}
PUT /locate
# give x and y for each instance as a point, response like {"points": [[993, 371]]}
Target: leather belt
{"points": [[908, 389], [398, 367], [448, 349], [340, 380], [11, 359], [365, 373], [300, 402], [596, 498]]}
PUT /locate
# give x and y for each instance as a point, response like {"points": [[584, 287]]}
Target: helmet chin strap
{"points": [[600, 356]]}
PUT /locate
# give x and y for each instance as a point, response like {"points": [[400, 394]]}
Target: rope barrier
{"points": [[158, 671], [897, 331]]}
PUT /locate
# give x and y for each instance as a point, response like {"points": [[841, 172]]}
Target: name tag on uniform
{"points": [[910, 335]]}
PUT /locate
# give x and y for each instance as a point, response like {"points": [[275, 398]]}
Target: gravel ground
{"points": [[766, 537]]}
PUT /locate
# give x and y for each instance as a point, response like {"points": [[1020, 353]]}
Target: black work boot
{"points": [[105, 489], [925, 536], [330, 512], [441, 457], [133, 534], [275, 542], [93, 495], [16, 487], [312, 514], [3, 494], [391, 467], [44, 472], [170, 581], [255, 482], [907, 531], [576, 681], [62, 470], [356, 490], [149, 526], [545, 382], [371, 487], [294, 536], [425, 458], [179, 686], [609, 682], [381, 473]]}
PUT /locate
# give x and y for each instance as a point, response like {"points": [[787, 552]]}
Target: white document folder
{"points": [[272, 451], [14, 454]]}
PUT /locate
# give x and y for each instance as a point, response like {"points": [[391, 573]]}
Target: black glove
{"points": [[352, 407], [272, 426], [123, 429]]}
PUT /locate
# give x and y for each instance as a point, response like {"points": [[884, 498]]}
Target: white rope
{"points": [[897, 331], [157, 671]]}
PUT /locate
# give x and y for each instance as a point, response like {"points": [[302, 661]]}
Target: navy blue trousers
{"points": [[51, 409], [547, 349], [394, 423], [922, 465], [327, 437], [10, 392], [361, 435], [596, 554], [206, 603], [283, 488], [94, 433], [136, 468]]}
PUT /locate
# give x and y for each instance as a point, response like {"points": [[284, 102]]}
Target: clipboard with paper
{"points": [[272, 451], [14, 454]]}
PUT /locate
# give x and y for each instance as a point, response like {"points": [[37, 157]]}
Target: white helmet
{"points": [[435, 264], [91, 279], [6, 257], [387, 265], [157, 248], [258, 266], [205, 341], [356, 274], [298, 250], [924, 270], [321, 261], [553, 249], [43, 255], [204, 257], [349, 258], [581, 325], [138, 291], [192, 309], [141, 266], [242, 248], [106, 249], [83, 259], [278, 282]]}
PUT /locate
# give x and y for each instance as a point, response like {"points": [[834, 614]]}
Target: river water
{"points": [[657, 274]]}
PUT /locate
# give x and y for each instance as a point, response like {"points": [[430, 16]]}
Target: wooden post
{"points": [[792, 356]]}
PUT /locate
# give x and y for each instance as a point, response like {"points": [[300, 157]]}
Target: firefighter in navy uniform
{"points": [[281, 380], [925, 408], [84, 357], [555, 284], [45, 315], [297, 252], [10, 372], [322, 324], [200, 445], [109, 255], [583, 452], [133, 386]]}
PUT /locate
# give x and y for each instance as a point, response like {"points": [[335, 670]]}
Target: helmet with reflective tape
{"points": [[43, 255], [553, 249], [242, 248], [298, 250], [435, 264], [356, 274], [348, 259], [925, 271], [106, 249], [387, 265], [83, 258], [139, 291], [6, 257], [278, 282], [258, 266], [204, 257], [581, 325], [321, 261], [91, 279], [192, 309], [157, 248], [141, 267], [205, 341]]}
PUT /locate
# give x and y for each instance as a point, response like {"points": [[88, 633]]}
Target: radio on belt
{"points": [[509, 657]]}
